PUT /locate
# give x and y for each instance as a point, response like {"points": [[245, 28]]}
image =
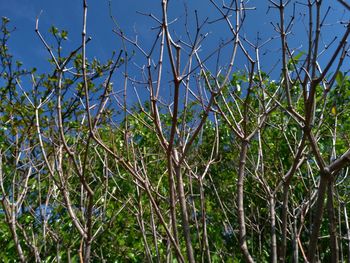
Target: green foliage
{"points": [[124, 220]]}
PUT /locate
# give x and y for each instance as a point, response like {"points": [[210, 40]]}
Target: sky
{"points": [[67, 14]]}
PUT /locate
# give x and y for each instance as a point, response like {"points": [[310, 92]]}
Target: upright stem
{"points": [[295, 238], [332, 223], [240, 203], [346, 219], [205, 241], [283, 247], [11, 219], [317, 218], [184, 214], [273, 229], [88, 240], [172, 201]]}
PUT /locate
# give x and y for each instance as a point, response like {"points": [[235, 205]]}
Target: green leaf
{"points": [[64, 34], [339, 78], [53, 30]]}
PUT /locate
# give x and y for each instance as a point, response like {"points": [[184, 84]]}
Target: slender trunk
{"points": [[11, 222], [332, 224], [341, 251], [240, 203], [154, 233], [140, 220], [295, 240], [88, 240], [159, 214], [317, 218], [273, 230], [172, 201], [184, 214], [16, 240], [205, 241], [169, 256], [282, 256], [347, 230]]}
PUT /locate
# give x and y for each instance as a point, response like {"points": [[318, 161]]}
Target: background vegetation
{"points": [[211, 166]]}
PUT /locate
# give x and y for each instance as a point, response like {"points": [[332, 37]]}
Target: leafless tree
{"points": [[83, 141]]}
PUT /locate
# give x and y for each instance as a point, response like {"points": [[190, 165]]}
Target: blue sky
{"points": [[67, 14]]}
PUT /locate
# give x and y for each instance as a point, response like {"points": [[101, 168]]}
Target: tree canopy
{"points": [[178, 162]]}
